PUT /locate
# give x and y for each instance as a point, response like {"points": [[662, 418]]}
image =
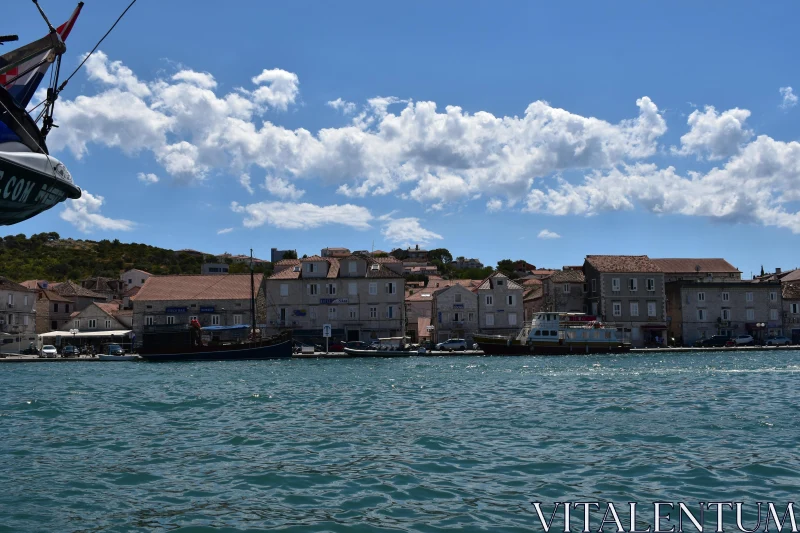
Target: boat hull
{"points": [[26, 191], [574, 348], [378, 353], [244, 352], [103, 357]]}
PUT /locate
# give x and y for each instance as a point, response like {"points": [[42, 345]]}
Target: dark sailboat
{"points": [[31, 180]]}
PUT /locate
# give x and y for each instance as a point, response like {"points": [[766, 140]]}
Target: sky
{"points": [[523, 130]]}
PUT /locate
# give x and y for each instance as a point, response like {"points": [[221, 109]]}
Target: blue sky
{"points": [[454, 124]]}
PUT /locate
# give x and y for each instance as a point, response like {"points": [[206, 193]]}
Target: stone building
{"points": [[697, 269], [627, 291], [455, 313], [17, 316], [52, 311], [80, 295], [222, 300], [100, 316], [134, 277], [500, 305], [564, 291], [791, 310], [360, 297]]}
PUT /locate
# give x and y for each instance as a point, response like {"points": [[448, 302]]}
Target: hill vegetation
{"points": [[48, 256]]}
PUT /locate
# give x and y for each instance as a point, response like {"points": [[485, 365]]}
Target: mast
{"points": [[252, 298]]}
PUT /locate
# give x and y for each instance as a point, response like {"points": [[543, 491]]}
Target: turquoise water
{"points": [[417, 444]]}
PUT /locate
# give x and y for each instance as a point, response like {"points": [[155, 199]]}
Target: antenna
{"points": [[8, 38]]}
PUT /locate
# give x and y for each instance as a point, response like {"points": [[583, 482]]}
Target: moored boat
{"points": [[553, 333], [386, 347], [181, 344]]}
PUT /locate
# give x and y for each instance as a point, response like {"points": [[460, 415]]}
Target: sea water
{"points": [[414, 444]]}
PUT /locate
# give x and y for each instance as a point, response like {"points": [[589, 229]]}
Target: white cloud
{"points": [[789, 98], [224, 231], [280, 90], [346, 107], [114, 73], [494, 205], [84, 214], [244, 181], [715, 135], [201, 79], [287, 215], [547, 234], [757, 186], [282, 188], [147, 179], [407, 231]]}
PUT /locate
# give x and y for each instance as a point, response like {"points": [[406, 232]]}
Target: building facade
{"points": [[52, 311], [207, 269], [17, 316], [627, 292], [134, 277], [563, 291], [361, 298], [100, 316], [455, 313], [791, 310], [500, 305]]}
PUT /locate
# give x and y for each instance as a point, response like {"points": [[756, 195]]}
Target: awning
{"points": [[422, 327], [114, 333]]}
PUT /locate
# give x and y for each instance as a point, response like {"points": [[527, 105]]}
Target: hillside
{"points": [[47, 256]]}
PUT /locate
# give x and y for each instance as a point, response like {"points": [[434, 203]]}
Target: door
{"points": [[352, 335], [796, 336]]}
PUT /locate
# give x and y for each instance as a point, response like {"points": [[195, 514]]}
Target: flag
{"points": [[22, 81]]}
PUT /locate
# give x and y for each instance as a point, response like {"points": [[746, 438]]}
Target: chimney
{"points": [[777, 271]]}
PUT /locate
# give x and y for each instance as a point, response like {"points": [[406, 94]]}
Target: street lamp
{"points": [[74, 332]]}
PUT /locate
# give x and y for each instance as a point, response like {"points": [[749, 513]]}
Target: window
{"points": [[751, 314], [130, 281], [310, 267], [55, 308], [352, 311], [332, 313], [143, 279], [651, 309], [170, 321], [773, 296], [748, 296], [633, 284], [192, 318], [795, 308], [352, 267], [108, 323], [215, 318], [458, 298], [10, 299], [373, 288], [511, 299], [458, 317], [25, 320], [701, 314], [352, 288], [512, 319], [489, 299], [53, 325], [148, 320], [373, 312], [634, 308], [490, 319], [499, 282], [66, 308], [726, 296], [471, 317], [25, 301], [312, 289], [237, 319], [331, 288], [391, 288], [76, 323], [616, 308], [594, 285], [773, 314], [312, 313], [615, 284], [701, 297], [566, 288], [726, 314], [651, 284], [284, 289], [92, 323]]}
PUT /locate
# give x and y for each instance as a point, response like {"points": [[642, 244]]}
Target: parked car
{"points": [[69, 351], [744, 340], [113, 349], [335, 346], [778, 341], [48, 350], [713, 341], [452, 344]]}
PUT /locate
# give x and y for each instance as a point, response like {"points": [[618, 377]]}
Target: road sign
{"points": [[326, 330]]}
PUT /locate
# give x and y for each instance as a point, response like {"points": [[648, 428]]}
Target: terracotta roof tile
{"points": [[532, 282], [422, 295], [286, 273], [793, 275], [568, 276], [8, 285], [32, 283], [70, 288], [533, 293], [690, 266], [287, 262], [333, 270], [55, 297], [791, 291], [197, 287], [132, 291], [109, 307], [313, 258], [490, 282], [389, 259], [622, 263]]}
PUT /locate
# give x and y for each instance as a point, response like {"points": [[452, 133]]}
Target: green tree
{"points": [[290, 254]]}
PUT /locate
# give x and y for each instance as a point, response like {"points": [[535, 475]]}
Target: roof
{"points": [[132, 291], [109, 307], [490, 282], [8, 285], [532, 282], [793, 275], [422, 295], [622, 263], [389, 259], [568, 276], [791, 291], [314, 258], [197, 287], [33, 283], [533, 293], [689, 266], [70, 288], [287, 262], [138, 269], [55, 297], [542, 272]]}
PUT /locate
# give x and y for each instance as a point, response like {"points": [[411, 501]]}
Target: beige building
{"points": [[564, 291], [500, 305], [627, 291], [455, 313], [360, 297], [134, 277], [215, 300], [100, 316], [419, 310], [17, 316]]}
